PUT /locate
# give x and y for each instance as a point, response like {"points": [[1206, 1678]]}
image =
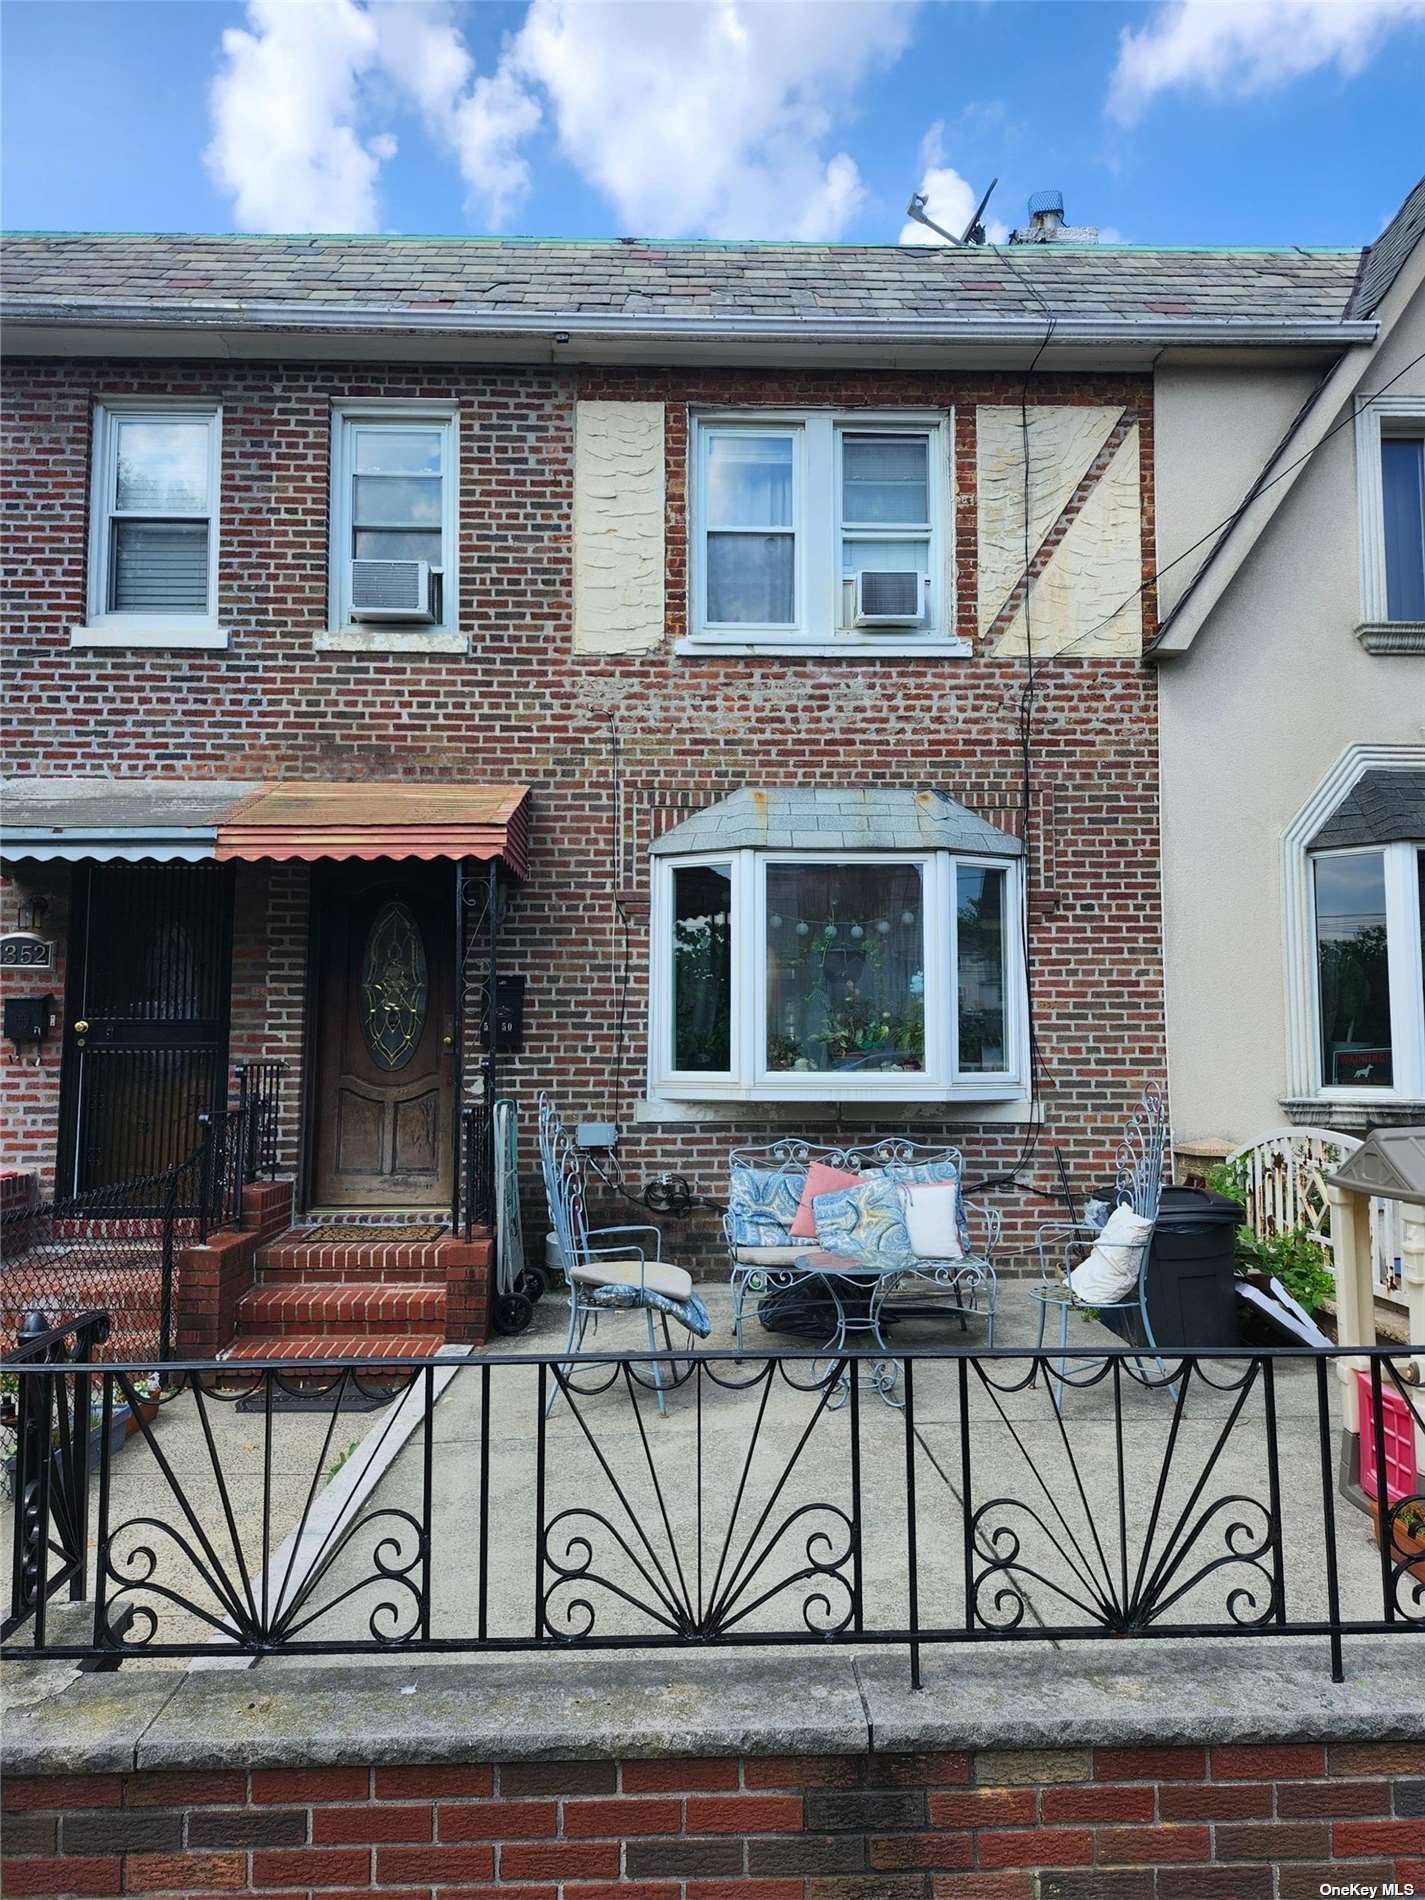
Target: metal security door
{"points": [[146, 1030]]}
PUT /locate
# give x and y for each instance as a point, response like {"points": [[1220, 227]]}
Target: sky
{"points": [[1175, 122]]}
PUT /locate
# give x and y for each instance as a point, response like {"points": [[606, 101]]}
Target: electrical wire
{"points": [[1254, 494]]}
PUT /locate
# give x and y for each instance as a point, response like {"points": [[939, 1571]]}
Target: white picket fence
{"points": [[1286, 1187]]}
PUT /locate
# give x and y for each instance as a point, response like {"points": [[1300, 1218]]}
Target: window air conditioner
{"points": [[393, 590], [889, 598]]}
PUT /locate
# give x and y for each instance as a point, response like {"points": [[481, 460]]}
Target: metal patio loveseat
{"points": [[765, 1189]]}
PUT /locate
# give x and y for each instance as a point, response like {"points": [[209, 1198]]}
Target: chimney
{"points": [[1046, 223]]}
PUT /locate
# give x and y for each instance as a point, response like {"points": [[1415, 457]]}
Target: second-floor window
{"points": [[154, 521], [1403, 499], [819, 527], [394, 521]]}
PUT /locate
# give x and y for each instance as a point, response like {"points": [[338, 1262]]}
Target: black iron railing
{"points": [[238, 1145], [48, 1420], [787, 1506], [477, 1138], [259, 1095]]}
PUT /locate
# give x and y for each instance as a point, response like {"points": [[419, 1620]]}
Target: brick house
{"points": [[734, 652]]}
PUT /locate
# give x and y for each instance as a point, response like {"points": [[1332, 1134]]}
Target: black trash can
{"points": [[1192, 1302]]}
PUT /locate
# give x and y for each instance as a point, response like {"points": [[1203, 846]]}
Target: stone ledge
{"points": [[391, 1710]]}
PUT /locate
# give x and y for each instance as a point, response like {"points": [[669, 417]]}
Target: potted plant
{"points": [[1407, 1533]]}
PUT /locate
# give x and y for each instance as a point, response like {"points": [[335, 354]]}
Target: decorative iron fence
{"points": [[477, 1133], [779, 1504]]}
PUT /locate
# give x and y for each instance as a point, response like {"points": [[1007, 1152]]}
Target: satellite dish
{"points": [[974, 231]]}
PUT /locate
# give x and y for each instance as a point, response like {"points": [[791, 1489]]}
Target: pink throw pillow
{"points": [[820, 1180]]}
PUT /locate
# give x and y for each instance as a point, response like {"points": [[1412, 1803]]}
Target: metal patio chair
{"points": [[1142, 1156], [612, 1268]]}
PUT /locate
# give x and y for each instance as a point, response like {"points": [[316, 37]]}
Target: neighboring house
{"points": [[682, 607], [1291, 673]]}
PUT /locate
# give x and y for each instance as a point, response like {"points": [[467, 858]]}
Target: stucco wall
{"points": [[1273, 690]]}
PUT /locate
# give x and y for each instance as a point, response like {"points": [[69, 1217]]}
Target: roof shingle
{"points": [[524, 277]]}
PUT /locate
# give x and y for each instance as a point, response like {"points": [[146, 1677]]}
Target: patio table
{"points": [[839, 1275]]}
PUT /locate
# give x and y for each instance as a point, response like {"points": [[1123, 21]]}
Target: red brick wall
{"points": [[1226, 1823], [29, 1088], [523, 708]]}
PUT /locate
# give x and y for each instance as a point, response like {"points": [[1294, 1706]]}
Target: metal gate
{"points": [[146, 1030]]}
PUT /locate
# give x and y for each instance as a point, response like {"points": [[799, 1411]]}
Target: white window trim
{"points": [[1299, 941], [941, 1081], [818, 631], [103, 627], [1378, 416], [342, 634]]}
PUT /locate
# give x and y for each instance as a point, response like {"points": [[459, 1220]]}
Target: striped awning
{"points": [[165, 820]]}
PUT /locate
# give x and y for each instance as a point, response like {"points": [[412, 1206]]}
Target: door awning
{"points": [[168, 821]]}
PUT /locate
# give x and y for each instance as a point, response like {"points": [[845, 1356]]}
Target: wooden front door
{"points": [[385, 1002]]}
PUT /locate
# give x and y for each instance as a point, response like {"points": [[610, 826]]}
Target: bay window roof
{"points": [[831, 818], [1380, 808]]}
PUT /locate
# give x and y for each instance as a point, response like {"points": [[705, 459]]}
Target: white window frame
{"points": [[104, 626], [1378, 416], [343, 634], [822, 625], [1303, 994], [749, 1080]]}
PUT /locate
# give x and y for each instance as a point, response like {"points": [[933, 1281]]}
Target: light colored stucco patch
{"points": [[1087, 600], [618, 526], [1063, 441]]}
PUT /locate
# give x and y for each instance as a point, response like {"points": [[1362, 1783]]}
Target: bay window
{"points": [[817, 529], [807, 976]]}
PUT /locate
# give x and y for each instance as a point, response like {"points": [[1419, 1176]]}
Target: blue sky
{"points": [[1286, 121]]}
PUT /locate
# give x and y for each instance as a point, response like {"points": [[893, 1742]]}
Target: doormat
{"points": [[356, 1230]]}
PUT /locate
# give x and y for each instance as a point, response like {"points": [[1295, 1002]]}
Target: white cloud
{"points": [[285, 145], [949, 199], [482, 121], [1232, 49], [709, 117]]}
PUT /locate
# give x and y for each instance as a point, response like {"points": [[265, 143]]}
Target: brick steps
{"points": [[360, 1346], [354, 1299], [290, 1257], [356, 1307]]}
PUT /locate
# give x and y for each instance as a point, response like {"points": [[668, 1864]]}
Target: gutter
{"points": [[566, 327]]}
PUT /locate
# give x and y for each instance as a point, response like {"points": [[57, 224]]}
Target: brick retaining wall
{"points": [[1227, 1822]]}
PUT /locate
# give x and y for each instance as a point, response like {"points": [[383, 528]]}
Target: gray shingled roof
{"points": [[852, 818], [1383, 261], [1380, 808], [548, 278]]}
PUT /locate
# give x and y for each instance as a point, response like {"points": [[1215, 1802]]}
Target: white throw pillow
{"points": [[932, 1219], [1110, 1273]]}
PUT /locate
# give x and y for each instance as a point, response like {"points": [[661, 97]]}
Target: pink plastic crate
{"points": [[1401, 1480]]}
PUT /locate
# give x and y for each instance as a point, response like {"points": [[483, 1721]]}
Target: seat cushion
{"points": [[769, 1256], [674, 1283]]}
